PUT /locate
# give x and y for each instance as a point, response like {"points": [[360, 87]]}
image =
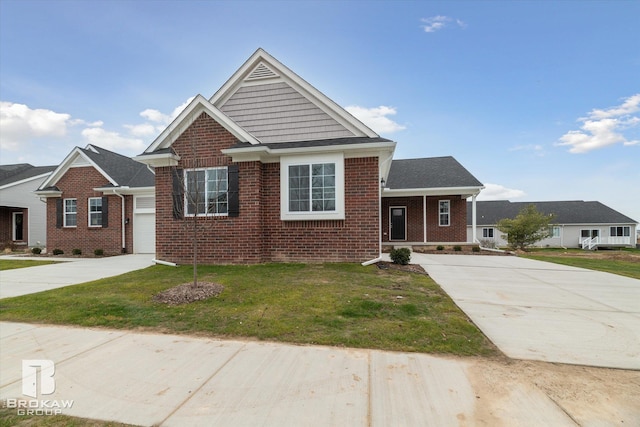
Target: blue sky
{"points": [[539, 100]]}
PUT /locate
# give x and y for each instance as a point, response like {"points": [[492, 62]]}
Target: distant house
{"points": [[576, 223], [98, 199], [22, 215], [277, 171]]}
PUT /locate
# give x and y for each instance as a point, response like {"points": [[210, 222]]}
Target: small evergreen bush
{"points": [[76, 251], [457, 248], [440, 248], [98, 252], [475, 249], [400, 256], [36, 251], [58, 251]]}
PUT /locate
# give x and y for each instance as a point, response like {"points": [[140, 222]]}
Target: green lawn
{"points": [[10, 264], [330, 304], [621, 267]]}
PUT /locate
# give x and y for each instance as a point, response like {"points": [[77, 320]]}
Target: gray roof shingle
{"points": [[432, 172], [124, 170], [15, 173], [566, 212]]}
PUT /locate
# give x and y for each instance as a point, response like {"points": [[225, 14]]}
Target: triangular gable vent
{"points": [[261, 71]]}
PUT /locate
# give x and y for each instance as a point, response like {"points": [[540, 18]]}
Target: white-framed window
{"points": [[312, 187], [70, 212], [95, 211], [206, 191], [444, 209], [487, 233], [555, 231], [620, 231]]}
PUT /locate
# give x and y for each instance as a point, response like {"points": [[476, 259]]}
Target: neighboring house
{"points": [[276, 171], [22, 215], [98, 199], [576, 223]]}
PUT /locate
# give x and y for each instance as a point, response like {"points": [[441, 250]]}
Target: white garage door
{"points": [[144, 226]]}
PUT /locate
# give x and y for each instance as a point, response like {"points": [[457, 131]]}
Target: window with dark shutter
{"points": [[177, 193], [233, 191], [59, 213], [105, 212]]}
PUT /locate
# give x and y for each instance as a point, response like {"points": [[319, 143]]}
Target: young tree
{"points": [[528, 227]]}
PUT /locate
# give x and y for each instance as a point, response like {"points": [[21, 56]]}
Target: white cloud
{"points": [[376, 118], [438, 22], [113, 140], [19, 124], [602, 128], [499, 192]]}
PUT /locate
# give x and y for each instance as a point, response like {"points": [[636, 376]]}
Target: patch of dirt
{"points": [[588, 395], [188, 292], [410, 268]]}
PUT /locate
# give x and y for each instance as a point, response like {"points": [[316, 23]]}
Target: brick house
{"points": [[98, 199], [270, 169]]}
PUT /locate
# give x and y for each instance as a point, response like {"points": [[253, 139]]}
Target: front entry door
{"points": [[398, 223], [18, 226]]}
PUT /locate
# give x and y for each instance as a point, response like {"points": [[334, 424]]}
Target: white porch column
{"points": [[424, 219], [474, 232]]}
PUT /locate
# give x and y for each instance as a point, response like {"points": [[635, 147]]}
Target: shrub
{"points": [[475, 249], [76, 251], [58, 251], [440, 248], [36, 251], [457, 248], [98, 252], [400, 256]]}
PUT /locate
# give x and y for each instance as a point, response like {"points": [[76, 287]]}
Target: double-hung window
{"points": [[444, 209], [206, 191], [95, 212], [312, 187], [70, 212], [487, 233]]}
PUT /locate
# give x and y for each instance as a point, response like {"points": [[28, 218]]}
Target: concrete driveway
{"points": [[71, 271], [542, 311]]}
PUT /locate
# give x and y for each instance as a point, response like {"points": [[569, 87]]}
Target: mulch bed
{"points": [[187, 292], [410, 268]]}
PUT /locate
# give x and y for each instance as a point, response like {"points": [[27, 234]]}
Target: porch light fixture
{"points": [[382, 182]]}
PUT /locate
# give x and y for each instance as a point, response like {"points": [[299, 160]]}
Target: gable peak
{"points": [[261, 71]]}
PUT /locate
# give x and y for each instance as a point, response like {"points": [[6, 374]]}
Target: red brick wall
{"points": [[78, 183], [455, 232], [258, 234]]}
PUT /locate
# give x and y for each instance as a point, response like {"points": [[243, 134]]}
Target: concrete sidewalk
{"points": [[170, 380], [72, 271], [537, 310]]}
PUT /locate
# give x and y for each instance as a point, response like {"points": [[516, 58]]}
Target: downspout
{"points": [[474, 232], [379, 258]]}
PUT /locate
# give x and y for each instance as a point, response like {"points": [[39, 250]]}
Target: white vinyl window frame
{"points": [[70, 213], [444, 213], [286, 214], [211, 188], [488, 233], [620, 231], [94, 212], [555, 232]]}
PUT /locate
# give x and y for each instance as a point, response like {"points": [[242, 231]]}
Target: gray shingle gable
{"points": [[566, 212], [432, 172], [123, 170], [18, 172]]}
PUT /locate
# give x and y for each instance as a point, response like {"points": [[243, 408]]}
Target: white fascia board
{"points": [[198, 105], [23, 181], [158, 160], [270, 155], [66, 165], [47, 193], [289, 76], [436, 191], [127, 190]]}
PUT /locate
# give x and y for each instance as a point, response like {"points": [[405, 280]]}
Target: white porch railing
{"points": [[590, 243]]}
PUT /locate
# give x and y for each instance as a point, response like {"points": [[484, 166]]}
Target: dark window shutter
{"points": [[233, 196], [59, 213], [105, 212], [178, 193]]}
